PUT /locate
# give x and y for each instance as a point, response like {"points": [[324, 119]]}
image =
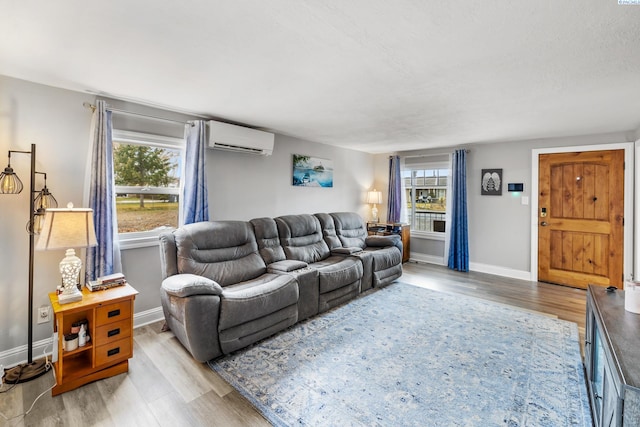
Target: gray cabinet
{"points": [[612, 359]]}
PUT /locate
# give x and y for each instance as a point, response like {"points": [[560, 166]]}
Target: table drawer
{"points": [[113, 313], [113, 331], [113, 352]]}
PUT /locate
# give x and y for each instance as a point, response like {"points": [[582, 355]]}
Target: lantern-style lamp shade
{"points": [[43, 201], [67, 229], [374, 198], [9, 182]]}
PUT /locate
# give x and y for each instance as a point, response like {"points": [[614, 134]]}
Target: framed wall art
{"points": [[312, 171], [491, 182]]}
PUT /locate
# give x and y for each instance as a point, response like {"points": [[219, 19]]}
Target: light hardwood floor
{"points": [[166, 387]]}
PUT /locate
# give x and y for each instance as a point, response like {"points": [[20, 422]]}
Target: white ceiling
{"points": [[371, 75]]}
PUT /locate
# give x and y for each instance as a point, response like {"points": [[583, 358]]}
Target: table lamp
{"points": [[374, 198], [67, 229]]}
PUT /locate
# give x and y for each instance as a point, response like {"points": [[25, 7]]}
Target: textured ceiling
{"points": [[372, 75]]}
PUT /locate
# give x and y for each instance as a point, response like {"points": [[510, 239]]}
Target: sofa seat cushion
{"points": [[337, 271], [286, 266], [253, 299]]}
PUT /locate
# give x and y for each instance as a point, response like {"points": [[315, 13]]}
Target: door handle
{"points": [[544, 223]]}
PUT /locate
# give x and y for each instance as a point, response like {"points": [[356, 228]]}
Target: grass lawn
{"points": [[132, 218]]}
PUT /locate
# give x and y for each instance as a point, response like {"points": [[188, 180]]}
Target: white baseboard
{"points": [[149, 316], [431, 259], [18, 355], [500, 271], [475, 266]]}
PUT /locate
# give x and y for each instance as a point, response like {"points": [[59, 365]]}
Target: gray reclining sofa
{"points": [[229, 284]]}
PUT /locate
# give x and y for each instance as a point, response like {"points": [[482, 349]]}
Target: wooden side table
{"points": [[110, 325], [383, 229]]}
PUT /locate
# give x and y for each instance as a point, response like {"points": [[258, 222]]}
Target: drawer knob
{"points": [[114, 313], [113, 351], [113, 332]]}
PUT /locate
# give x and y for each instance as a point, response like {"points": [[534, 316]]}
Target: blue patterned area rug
{"points": [[405, 355]]}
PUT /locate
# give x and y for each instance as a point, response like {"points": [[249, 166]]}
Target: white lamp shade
{"points": [[374, 197], [67, 228]]}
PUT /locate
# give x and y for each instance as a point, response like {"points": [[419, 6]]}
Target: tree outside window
{"points": [[147, 177]]}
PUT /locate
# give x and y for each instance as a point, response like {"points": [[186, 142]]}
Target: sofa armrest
{"points": [[380, 241], [345, 251], [286, 266], [184, 285]]}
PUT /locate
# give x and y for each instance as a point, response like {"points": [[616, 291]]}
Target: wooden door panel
{"points": [[565, 251], [598, 227], [588, 253], [577, 252], [601, 258], [555, 256], [578, 192], [580, 233], [601, 204], [589, 191], [574, 198]]}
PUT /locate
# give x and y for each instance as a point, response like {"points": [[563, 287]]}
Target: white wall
{"points": [[240, 187], [55, 120], [262, 186], [499, 226]]}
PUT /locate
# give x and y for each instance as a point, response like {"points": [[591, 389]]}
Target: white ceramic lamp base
{"points": [[70, 267], [66, 298], [374, 214]]}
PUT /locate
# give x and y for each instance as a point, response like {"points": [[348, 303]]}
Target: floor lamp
{"points": [[11, 184]]}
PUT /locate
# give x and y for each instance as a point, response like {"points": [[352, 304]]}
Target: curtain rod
{"points": [[131, 113], [431, 155]]}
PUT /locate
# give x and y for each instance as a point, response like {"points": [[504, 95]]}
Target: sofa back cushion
{"points": [[223, 251], [266, 232], [350, 229], [328, 230], [301, 238]]}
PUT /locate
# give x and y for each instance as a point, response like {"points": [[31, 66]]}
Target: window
{"points": [[147, 172], [426, 194]]}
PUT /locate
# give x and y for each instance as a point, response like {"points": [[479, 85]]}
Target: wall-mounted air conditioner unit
{"points": [[225, 136]]}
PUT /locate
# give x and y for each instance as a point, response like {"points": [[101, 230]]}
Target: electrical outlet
{"points": [[43, 314]]}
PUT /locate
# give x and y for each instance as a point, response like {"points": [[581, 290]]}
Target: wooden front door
{"points": [[580, 218]]}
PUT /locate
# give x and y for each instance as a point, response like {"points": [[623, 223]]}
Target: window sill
{"points": [[427, 235], [138, 242]]}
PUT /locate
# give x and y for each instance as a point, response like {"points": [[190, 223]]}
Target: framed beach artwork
{"points": [[491, 182], [312, 171]]}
